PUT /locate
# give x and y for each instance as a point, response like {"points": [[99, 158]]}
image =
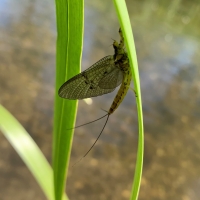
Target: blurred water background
{"points": [[167, 40]]}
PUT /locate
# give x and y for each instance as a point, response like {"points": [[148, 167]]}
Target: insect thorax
{"points": [[122, 62]]}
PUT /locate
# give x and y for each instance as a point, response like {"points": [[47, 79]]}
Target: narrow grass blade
{"points": [[69, 15], [28, 151], [122, 13]]}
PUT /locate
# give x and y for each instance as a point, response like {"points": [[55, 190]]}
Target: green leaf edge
{"points": [[125, 24], [69, 15], [28, 151]]}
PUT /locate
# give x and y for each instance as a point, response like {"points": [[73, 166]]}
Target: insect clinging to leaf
{"points": [[102, 78]]}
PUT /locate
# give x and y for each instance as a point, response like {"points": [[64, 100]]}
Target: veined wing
{"points": [[93, 82], [112, 79]]}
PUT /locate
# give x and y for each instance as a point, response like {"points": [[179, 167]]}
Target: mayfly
{"points": [[102, 78]]}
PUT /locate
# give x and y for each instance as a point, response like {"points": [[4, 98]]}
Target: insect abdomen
{"points": [[122, 92]]}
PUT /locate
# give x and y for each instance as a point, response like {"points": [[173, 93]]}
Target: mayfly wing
{"points": [[101, 78], [112, 80]]}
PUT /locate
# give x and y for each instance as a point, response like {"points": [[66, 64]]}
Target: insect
{"points": [[101, 78]]}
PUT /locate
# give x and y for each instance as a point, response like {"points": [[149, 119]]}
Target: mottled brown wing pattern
{"points": [[101, 78]]}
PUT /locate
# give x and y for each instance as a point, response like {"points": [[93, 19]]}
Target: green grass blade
{"points": [[69, 15], [28, 151], [122, 13]]}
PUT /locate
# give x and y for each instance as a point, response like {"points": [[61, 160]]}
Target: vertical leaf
{"points": [[125, 24], [69, 16]]}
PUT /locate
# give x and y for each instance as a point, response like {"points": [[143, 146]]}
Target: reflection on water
{"points": [[167, 42]]}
